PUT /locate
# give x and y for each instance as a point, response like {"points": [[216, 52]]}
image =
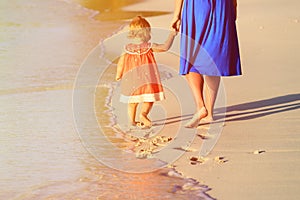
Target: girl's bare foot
{"points": [[146, 122], [132, 125], [200, 114]]}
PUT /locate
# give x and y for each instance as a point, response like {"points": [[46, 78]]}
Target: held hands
{"points": [[173, 33], [175, 24]]}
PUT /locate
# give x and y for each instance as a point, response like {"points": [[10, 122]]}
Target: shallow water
{"points": [[42, 45]]}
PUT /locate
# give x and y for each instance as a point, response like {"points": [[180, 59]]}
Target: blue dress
{"points": [[209, 43]]}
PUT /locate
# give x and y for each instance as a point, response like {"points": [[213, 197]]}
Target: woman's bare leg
{"points": [[146, 108], [212, 87], [196, 83], [132, 113]]}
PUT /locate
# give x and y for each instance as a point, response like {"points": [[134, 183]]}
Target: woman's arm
{"points": [[165, 46], [175, 24]]}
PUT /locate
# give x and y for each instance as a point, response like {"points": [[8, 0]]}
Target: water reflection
{"points": [[112, 10], [104, 5]]}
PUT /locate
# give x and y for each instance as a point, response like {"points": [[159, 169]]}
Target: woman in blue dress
{"points": [[209, 49]]}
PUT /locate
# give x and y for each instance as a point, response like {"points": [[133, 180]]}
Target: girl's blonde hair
{"points": [[139, 28]]}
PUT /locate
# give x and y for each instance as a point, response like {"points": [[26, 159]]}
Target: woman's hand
{"points": [[175, 24]]}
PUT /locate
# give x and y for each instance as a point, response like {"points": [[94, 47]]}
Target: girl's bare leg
{"points": [[132, 113], [146, 108], [212, 87], [196, 83]]}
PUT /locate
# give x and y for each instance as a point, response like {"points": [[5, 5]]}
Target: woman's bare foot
{"points": [[200, 114], [208, 119]]}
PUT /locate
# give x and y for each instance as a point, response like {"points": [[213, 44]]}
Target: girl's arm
{"points": [[120, 68], [165, 46], [175, 24]]}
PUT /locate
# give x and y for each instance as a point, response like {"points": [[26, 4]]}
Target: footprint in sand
{"points": [[200, 160], [220, 159], [161, 140], [144, 153], [197, 160], [185, 149], [205, 136], [146, 147]]}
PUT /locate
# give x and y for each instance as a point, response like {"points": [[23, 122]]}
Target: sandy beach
{"points": [[258, 152], [42, 46], [257, 149]]}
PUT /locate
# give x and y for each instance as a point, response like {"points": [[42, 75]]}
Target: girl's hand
{"points": [[173, 33], [118, 78], [175, 24]]}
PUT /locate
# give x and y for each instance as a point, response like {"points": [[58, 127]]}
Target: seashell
{"points": [[256, 152]]}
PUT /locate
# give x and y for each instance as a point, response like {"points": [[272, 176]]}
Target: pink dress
{"points": [[140, 76]]}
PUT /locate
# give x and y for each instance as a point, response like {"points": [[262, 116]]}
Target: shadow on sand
{"points": [[262, 108], [248, 111]]}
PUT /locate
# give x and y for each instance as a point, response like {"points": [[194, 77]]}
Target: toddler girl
{"points": [[139, 73]]}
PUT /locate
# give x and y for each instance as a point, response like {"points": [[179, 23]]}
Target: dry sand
{"points": [[258, 153]]}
